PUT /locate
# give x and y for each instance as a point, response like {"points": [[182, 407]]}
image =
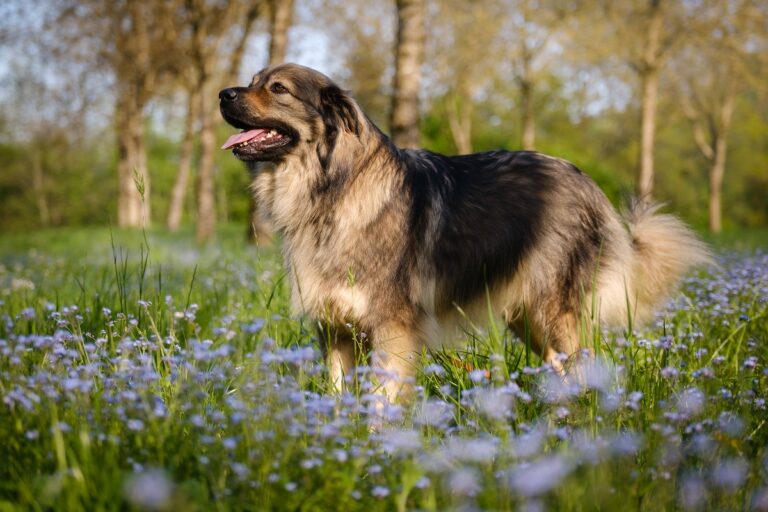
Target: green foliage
{"points": [[79, 183]]}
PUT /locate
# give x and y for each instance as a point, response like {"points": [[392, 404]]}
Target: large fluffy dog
{"points": [[402, 243]]}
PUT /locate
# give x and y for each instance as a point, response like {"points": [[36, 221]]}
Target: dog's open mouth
{"points": [[256, 142]]}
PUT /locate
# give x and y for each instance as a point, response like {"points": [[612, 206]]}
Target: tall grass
{"points": [[137, 372]]}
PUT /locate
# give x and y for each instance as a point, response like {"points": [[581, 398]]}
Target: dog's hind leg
{"points": [[564, 335], [558, 334]]}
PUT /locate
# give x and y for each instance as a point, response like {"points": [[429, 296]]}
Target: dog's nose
{"points": [[228, 94]]}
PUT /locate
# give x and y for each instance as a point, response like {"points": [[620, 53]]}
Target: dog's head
{"points": [[287, 110]]}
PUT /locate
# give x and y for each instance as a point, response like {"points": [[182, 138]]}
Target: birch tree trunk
{"points": [[281, 14], [204, 65], [180, 185], [460, 123], [135, 79], [649, 78], [133, 179], [206, 199], [528, 120], [208, 33], [259, 229], [717, 171], [404, 120], [650, 85]]}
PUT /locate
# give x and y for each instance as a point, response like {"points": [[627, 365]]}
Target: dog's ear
{"points": [[338, 111]]}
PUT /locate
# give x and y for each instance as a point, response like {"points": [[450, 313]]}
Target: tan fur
{"points": [[354, 258], [659, 249]]}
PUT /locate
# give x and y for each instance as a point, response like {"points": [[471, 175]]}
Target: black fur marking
{"points": [[338, 112], [338, 109], [328, 186], [584, 232], [492, 210]]}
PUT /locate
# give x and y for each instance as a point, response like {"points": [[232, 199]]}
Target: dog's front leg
{"points": [[339, 347], [396, 355]]}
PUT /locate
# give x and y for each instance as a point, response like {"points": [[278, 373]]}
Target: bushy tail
{"points": [[663, 250]]}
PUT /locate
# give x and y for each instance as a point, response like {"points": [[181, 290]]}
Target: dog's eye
{"points": [[278, 88]]}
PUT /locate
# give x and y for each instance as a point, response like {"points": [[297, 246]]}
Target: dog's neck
{"points": [[346, 190], [323, 212]]}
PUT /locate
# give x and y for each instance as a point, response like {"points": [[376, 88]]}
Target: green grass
{"points": [[739, 240], [138, 371]]}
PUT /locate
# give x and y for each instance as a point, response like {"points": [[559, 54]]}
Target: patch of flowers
{"points": [[171, 402]]}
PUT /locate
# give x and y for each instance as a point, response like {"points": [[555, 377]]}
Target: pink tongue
{"points": [[242, 137]]}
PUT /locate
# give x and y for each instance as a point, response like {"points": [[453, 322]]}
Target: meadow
{"points": [[140, 372]]}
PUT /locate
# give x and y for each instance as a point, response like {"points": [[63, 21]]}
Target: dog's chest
{"points": [[341, 245], [322, 283]]}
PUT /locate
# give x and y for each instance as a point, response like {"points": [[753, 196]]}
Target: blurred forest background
{"points": [[103, 102]]}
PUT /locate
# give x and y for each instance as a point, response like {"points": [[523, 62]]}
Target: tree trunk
{"points": [[649, 78], [133, 179], [715, 189], [206, 200], [135, 76], [526, 112], [281, 12], [176, 208], [650, 84], [717, 171], [38, 188], [460, 122], [526, 80], [404, 120], [259, 228]]}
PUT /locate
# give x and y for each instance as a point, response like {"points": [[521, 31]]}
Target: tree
{"points": [[534, 25], [129, 39], [217, 29], [136, 75], [461, 32], [480, 47], [642, 34], [720, 65], [409, 51], [361, 34], [280, 15], [180, 185], [141, 31]]}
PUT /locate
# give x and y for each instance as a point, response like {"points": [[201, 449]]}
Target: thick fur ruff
{"points": [[406, 245]]}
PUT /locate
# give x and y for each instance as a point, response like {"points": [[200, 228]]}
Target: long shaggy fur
{"points": [[407, 245], [663, 249]]}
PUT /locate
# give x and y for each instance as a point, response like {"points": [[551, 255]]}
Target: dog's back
{"points": [[500, 210]]}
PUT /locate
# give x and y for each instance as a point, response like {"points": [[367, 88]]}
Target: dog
{"points": [[407, 245]]}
